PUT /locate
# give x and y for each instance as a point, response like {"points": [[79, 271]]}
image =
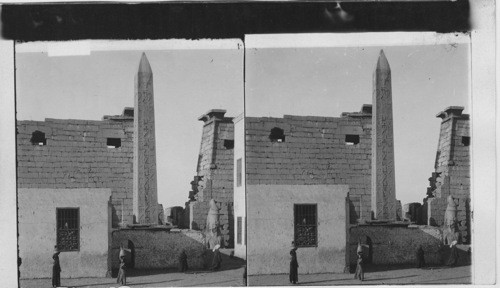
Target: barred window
{"points": [[238, 233], [68, 229], [238, 173], [306, 225]]}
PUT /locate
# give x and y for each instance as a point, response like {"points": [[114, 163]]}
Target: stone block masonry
{"points": [[452, 172], [313, 151], [215, 174], [76, 154]]}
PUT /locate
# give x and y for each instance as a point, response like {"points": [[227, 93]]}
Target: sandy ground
{"points": [[384, 275], [230, 277]]}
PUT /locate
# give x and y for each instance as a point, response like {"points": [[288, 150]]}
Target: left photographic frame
{"points": [[128, 144]]}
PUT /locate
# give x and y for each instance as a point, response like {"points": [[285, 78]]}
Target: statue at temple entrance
{"points": [[450, 232], [212, 229]]}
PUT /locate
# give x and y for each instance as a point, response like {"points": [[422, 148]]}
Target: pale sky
{"points": [[295, 81], [329, 81], [187, 83]]}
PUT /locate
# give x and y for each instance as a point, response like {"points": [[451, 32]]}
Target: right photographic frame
{"points": [[357, 159]]}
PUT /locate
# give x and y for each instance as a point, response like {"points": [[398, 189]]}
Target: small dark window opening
{"points": [[351, 139], [306, 225], [466, 140], [68, 229], [38, 138], [277, 135], [238, 231], [229, 144], [114, 142]]}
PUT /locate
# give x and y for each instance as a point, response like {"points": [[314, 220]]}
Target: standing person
{"points": [[217, 260], [56, 268], [420, 257], [122, 277], [183, 264], [359, 274], [294, 265], [453, 260]]}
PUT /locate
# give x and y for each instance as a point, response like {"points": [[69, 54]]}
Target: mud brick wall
{"points": [[314, 152], [215, 164], [396, 244], [76, 156], [159, 249]]}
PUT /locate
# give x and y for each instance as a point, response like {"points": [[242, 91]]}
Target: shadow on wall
{"points": [[397, 245], [353, 214]]}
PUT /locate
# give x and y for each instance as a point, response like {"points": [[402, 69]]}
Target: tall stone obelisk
{"points": [[383, 180], [145, 196]]}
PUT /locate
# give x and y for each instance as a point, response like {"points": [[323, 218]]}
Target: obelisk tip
{"points": [[144, 66], [382, 63]]}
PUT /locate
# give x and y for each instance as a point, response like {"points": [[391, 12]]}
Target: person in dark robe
{"points": [[420, 257], [122, 277], [183, 263], [453, 260], [370, 250], [360, 273], [294, 265], [56, 268], [217, 260]]}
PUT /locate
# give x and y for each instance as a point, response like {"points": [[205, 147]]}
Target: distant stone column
{"points": [[145, 196], [383, 180]]}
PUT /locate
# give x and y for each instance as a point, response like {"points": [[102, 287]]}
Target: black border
{"points": [[196, 20]]}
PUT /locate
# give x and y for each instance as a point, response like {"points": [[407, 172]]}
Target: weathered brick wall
{"points": [[314, 153], [76, 156], [160, 249], [215, 165], [397, 244]]}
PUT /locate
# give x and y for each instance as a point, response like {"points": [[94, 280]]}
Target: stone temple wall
{"points": [[452, 172], [215, 174], [76, 155], [314, 151]]}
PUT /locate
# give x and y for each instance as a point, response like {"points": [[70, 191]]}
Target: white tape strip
{"points": [[353, 39], [71, 48], [68, 48]]}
